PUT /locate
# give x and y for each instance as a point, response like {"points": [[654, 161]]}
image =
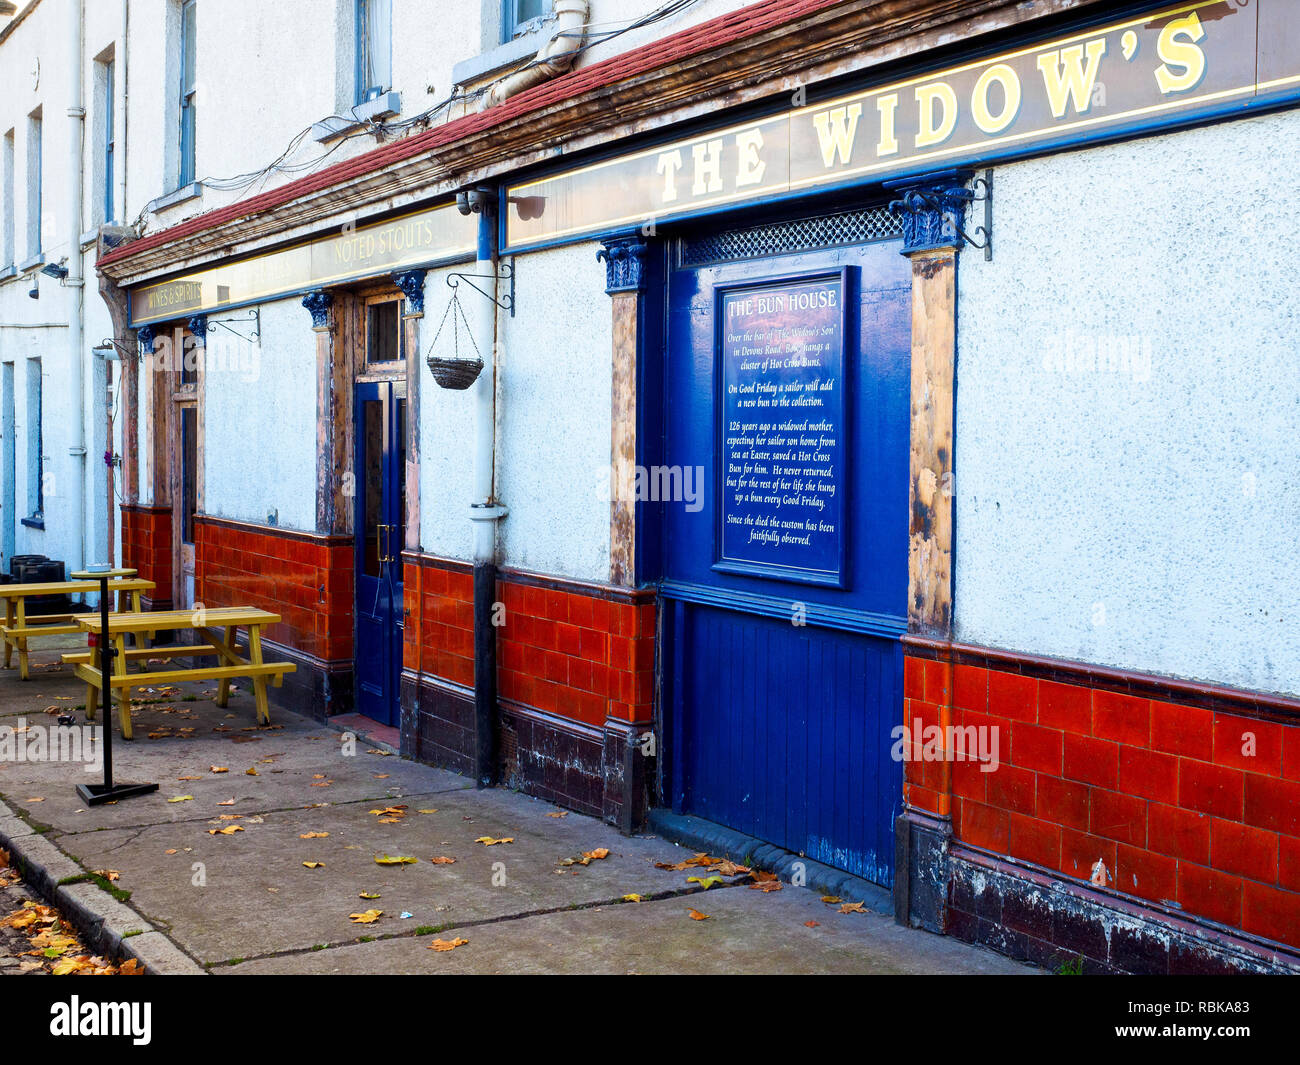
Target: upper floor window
{"points": [[374, 50], [105, 140], [35, 441], [516, 14], [34, 168], [8, 257], [189, 48]]}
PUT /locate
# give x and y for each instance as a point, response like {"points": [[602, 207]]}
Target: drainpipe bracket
{"points": [[487, 512]]}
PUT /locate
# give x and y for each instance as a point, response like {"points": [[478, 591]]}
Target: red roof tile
{"points": [[744, 22]]}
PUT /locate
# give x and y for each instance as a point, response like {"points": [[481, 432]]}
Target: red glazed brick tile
{"points": [[1067, 707], [1184, 730], [968, 781], [1080, 852], [1013, 696], [1035, 747], [580, 611], [1210, 789], [1151, 774], [1009, 788], [937, 679], [1291, 752], [1272, 803], [567, 639], [970, 688], [1123, 718], [1034, 841], [920, 798], [594, 646], [1122, 818], [1209, 893], [1288, 864], [1090, 760], [1272, 913], [1145, 874], [1255, 746], [1243, 850], [1062, 802], [983, 826], [913, 685]]}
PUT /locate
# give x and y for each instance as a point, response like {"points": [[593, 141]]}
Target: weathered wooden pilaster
{"points": [[333, 512], [624, 281]]}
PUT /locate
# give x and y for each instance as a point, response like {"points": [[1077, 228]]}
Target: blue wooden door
{"points": [[787, 385], [380, 535]]}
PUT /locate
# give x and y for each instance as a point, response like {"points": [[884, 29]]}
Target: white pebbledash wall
{"points": [[1128, 409], [260, 419]]}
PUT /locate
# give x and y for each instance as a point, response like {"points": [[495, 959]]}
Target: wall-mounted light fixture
{"points": [[111, 350], [35, 291], [55, 270]]}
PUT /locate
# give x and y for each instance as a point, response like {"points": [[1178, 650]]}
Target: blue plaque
{"points": [[781, 420]]}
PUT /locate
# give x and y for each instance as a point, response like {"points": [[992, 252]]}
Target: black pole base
{"points": [[94, 794]]}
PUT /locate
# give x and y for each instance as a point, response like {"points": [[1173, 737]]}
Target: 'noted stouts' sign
{"points": [[1159, 69]]}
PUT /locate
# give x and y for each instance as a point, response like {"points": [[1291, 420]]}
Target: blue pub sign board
{"points": [[781, 360]]}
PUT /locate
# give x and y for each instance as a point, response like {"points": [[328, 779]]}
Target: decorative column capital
{"points": [[624, 259], [932, 208], [319, 303], [411, 282], [145, 335], [198, 325]]}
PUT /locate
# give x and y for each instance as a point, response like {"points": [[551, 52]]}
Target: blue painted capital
{"points": [[624, 259], [145, 335], [198, 325], [411, 282], [932, 208], [319, 303]]}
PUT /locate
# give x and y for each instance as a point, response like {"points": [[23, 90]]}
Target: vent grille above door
{"points": [[783, 238]]}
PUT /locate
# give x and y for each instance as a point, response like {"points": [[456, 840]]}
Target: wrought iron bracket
{"points": [[982, 189], [933, 210], [254, 316], [505, 272]]}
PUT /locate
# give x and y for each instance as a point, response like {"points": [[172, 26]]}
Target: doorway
{"points": [[380, 414]]}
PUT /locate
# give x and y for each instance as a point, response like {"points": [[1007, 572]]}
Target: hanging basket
{"points": [[454, 371]]}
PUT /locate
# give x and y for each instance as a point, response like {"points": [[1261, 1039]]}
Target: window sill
{"points": [[35, 261], [505, 55], [8, 272], [186, 192], [34, 522], [390, 103]]}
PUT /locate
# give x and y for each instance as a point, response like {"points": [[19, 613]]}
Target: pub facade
{"points": [[867, 428]]}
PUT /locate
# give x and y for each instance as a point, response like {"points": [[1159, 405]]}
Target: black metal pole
{"points": [[105, 671]]}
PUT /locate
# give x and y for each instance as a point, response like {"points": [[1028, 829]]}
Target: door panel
{"points": [[380, 502], [779, 728]]}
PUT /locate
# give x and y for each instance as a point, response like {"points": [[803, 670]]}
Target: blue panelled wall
{"points": [[780, 690]]}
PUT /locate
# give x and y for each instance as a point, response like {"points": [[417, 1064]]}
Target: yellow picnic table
{"points": [[18, 628], [216, 626]]}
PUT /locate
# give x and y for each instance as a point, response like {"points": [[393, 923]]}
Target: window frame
{"points": [[364, 51], [109, 146], [512, 25], [188, 91], [36, 461], [36, 179]]}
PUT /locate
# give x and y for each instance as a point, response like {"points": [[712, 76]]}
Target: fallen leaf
{"points": [[812, 924], [181, 798], [597, 854], [218, 769], [853, 907], [228, 830], [766, 886], [447, 944], [251, 771], [705, 882], [108, 874], [831, 900], [227, 802], [632, 897], [488, 841], [171, 851], [368, 895], [38, 799], [381, 776], [697, 916], [314, 865], [313, 835], [427, 811], [189, 778], [384, 859], [369, 917], [442, 859], [561, 813]]}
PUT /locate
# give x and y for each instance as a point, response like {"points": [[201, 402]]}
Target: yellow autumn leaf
{"points": [[561, 813], [853, 907], [697, 916], [251, 771], [368, 895], [447, 944], [368, 917], [831, 900], [632, 897], [218, 769], [597, 854], [705, 882], [488, 841], [227, 831], [181, 798], [385, 859], [313, 835]]}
